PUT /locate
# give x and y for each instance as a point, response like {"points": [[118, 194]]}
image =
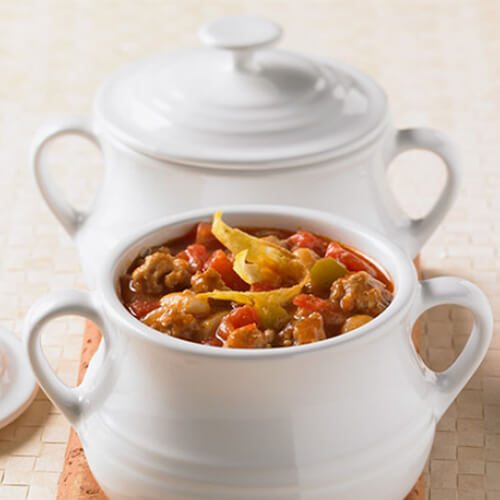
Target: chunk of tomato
{"points": [[238, 317], [196, 255], [333, 319], [351, 261], [242, 316], [303, 239], [204, 235], [223, 265], [311, 302], [140, 308]]}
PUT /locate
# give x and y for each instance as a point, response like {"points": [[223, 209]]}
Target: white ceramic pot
{"points": [[239, 122], [347, 418]]}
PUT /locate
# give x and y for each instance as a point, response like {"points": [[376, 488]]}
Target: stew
{"points": [[254, 287]]}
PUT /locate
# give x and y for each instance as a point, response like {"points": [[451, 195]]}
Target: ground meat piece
{"points": [[207, 281], [333, 317], [248, 336], [161, 273], [360, 293], [270, 335], [179, 315], [284, 338], [175, 324], [180, 276], [333, 320], [309, 329]]}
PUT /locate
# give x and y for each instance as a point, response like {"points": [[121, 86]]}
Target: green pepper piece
{"points": [[273, 316], [325, 271]]}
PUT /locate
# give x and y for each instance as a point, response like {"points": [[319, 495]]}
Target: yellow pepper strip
{"points": [[255, 261], [279, 296], [249, 273], [268, 304], [252, 273], [259, 251]]}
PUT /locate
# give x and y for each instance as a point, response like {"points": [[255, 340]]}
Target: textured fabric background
{"points": [[439, 61]]}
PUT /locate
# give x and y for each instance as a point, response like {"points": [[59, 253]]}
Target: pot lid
{"points": [[237, 102]]}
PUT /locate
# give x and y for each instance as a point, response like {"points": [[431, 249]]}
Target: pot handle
{"points": [[68, 216], [419, 230], [447, 385], [71, 402]]}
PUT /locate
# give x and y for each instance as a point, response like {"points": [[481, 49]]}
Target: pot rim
{"points": [[403, 275], [326, 159]]}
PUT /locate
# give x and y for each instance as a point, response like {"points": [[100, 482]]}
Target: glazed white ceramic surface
{"points": [[268, 127], [18, 386], [346, 418], [238, 101]]}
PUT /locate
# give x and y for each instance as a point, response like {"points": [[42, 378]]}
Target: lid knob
{"points": [[242, 35]]}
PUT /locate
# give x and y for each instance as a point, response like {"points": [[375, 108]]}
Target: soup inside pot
{"points": [[254, 287]]}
